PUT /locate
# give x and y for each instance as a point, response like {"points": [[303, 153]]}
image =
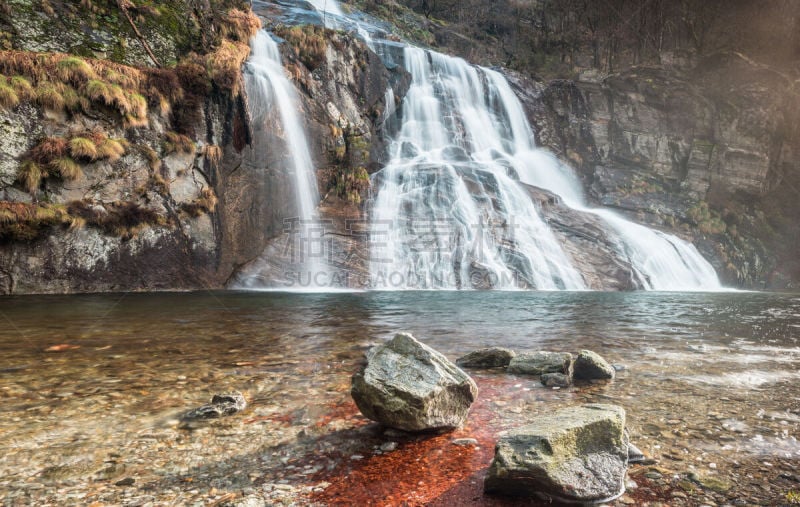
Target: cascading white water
{"points": [[269, 91], [463, 140], [328, 6], [447, 213]]}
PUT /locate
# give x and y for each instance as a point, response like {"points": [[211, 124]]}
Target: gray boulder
{"points": [[577, 454], [409, 386], [537, 363], [556, 380], [590, 366], [492, 357]]}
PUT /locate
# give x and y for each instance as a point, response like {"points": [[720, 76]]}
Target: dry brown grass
{"points": [[309, 43], [205, 203], [224, 65], [66, 168], [153, 160], [239, 25], [178, 143], [48, 149], [83, 148], [22, 87], [213, 153], [8, 97], [30, 175], [27, 222], [111, 149], [124, 219]]}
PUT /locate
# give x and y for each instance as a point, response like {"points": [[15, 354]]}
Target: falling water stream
{"points": [[449, 209]]}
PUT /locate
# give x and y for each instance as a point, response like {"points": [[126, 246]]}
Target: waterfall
{"points": [[449, 211], [269, 91], [327, 6]]}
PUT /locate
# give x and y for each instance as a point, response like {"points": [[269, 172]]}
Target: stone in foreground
{"points": [[538, 363], [409, 386], [577, 454], [590, 366], [492, 357]]}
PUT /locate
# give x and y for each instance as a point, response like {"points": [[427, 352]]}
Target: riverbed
{"points": [[93, 387]]}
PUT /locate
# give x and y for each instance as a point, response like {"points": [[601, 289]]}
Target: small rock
{"points": [[538, 363], [388, 446], [590, 366], [409, 386], [492, 357], [576, 454], [127, 481], [556, 380], [635, 455], [465, 442], [221, 405]]}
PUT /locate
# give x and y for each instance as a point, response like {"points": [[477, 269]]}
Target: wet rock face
{"points": [[577, 454], [591, 366], [409, 386], [492, 357], [538, 363]]}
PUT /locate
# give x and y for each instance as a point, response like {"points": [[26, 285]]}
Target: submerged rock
{"points": [[538, 363], [221, 405], [577, 454], [492, 357], [409, 386], [556, 380], [590, 366]]}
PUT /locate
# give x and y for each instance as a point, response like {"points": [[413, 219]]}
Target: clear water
{"points": [[710, 378]]}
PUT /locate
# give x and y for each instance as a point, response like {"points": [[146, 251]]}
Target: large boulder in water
{"points": [[577, 454], [409, 386], [591, 366]]}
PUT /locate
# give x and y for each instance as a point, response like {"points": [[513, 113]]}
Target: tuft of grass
{"points": [[48, 149], [75, 70], [50, 96], [68, 169], [98, 91], [30, 175], [178, 143], [22, 87], [8, 97], [83, 148], [111, 150]]}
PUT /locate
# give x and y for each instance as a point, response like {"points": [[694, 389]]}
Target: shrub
{"points": [[82, 147]]}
